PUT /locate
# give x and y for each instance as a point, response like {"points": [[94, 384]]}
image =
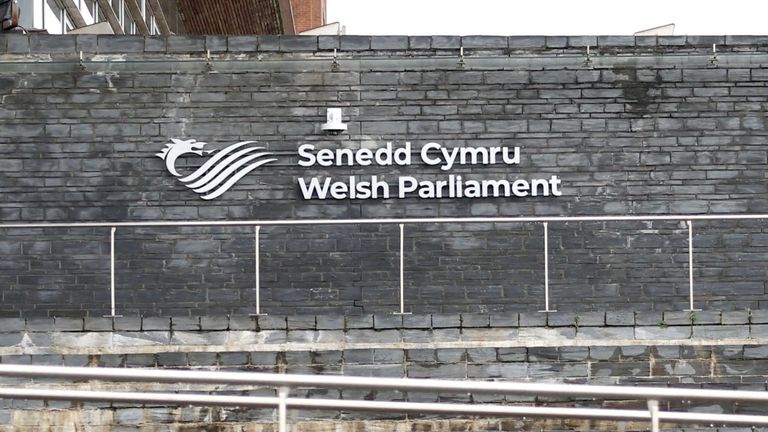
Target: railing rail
{"points": [[258, 224], [284, 382]]}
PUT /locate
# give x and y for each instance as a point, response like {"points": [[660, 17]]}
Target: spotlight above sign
{"points": [[334, 124]]}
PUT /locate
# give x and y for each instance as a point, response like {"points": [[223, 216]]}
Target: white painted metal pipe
{"points": [[257, 269], [690, 266], [333, 381], [615, 218], [282, 409], [402, 266], [546, 268], [653, 409], [112, 270]]}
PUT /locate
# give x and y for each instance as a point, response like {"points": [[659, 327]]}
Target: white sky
{"points": [[548, 17]]}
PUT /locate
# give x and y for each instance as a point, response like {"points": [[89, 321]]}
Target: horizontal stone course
{"points": [[114, 44]]}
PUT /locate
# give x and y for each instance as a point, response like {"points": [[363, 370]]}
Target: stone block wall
{"points": [[702, 350], [644, 126]]}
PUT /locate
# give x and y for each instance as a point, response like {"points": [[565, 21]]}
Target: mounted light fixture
{"points": [[334, 124]]}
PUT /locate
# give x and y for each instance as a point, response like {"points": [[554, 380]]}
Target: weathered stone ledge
{"points": [[386, 321], [119, 44], [330, 333]]}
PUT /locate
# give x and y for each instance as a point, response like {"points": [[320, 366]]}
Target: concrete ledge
{"points": [[578, 320], [296, 333], [126, 44]]}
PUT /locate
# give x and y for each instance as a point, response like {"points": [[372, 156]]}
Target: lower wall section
{"points": [[353, 270], [702, 351], [210, 420]]}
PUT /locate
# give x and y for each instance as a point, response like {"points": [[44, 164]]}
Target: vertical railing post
{"points": [[282, 409], [112, 273], [402, 271], [257, 268], [653, 408], [546, 269], [690, 267]]}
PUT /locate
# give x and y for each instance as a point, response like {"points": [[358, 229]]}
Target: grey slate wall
{"points": [[644, 126]]}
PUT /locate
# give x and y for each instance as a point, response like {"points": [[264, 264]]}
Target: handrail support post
{"points": [[257, 268], [653, 407], [402, 272], [282, 409], [690, 267], [112, 275], [546, 269]]}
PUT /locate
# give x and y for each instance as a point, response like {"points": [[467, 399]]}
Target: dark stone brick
{"points": [[484, 42], [522, 42], [186, 44], [619, 318], [127, 323], [387, 321], [242, 323], [140, 360], [355, 43], [446, 42], [561, 319], [242, 43], [359, 322], [389, 43], [511, 319], [215, 43], [328, 42], [11, 325], [117, 44], [44, 325], [533, 319], [330, 322], [185, 323], [156, 323], [16, 44], [475, 320], [52, 43], [171, 359], [273, 322], [446, 321], [202, 358], [301, 322], [99, 324], [298, 43], [269, 43]]}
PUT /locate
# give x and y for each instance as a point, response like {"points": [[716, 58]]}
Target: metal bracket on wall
{"points": [[335, 64], [588, 58], [81, 62], [208, 61]]}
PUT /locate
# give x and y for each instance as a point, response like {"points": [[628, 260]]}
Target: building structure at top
{"points": [[164, 17]]}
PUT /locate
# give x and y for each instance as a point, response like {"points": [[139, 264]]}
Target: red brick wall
{"points": [[308, 14]]}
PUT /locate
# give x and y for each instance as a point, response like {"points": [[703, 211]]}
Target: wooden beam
{"points": [[133, 8], [286, 17], [74, 13], [157, 11], [106, 8]]}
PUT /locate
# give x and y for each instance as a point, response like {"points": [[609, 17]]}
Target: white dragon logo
{"points": [[221, 171]]}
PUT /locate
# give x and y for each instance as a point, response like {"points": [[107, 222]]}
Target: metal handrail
{"points": [[385, 221], [374, 383], [257, 224], [283, 382]]}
